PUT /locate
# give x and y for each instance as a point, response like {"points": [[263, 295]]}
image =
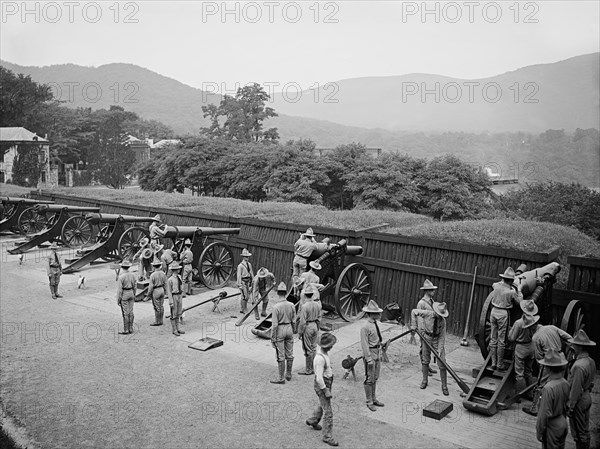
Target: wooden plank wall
{"points": [[398, 264], [584, 274]]}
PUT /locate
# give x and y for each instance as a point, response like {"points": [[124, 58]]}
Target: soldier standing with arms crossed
{"points": [[54, 271], [126, 296], [581, 382], [157, 289], [175, 302], [370, 341], [283, 320], [245, 274]]}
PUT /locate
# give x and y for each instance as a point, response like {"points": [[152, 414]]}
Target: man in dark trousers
{"points": [[581, 382], [551, 426], [126, 296], [54, 271], [157, 290], [370, 341], [283, 321]]}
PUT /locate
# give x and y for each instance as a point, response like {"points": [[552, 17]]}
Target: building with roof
{"points": [[15, 139], [141, 148], [372, 152]]}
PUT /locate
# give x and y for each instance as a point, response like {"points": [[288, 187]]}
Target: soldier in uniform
{"points": [[175, 302], [303, 248], [54, 271], [504, 293], [434, 331], [245, 274], [370, 341], [323, 384], [581, 382], [308, 329], [157, 289], [522, 335], [187, 257], [126, 296], [551, 426], [261, 283], [157, 230], [426, 303], [283, 320], [144, 256], [168, 257]]}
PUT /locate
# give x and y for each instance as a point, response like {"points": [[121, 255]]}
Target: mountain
{"points": [[376, 111]]}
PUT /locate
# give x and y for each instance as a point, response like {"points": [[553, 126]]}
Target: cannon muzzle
{"points": [[98, 218], [16, 200], [56, 208], [174, 232], [530, 280], [325, 251]]}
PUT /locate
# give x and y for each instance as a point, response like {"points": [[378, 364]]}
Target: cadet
{"points": [[308, 329], [144, 256], [323, 385], [370, 341], [157, 289], [187, 258], [581, 382], [261, 284], [283, 320], [522, 335], [126, 296], [168, 258], [551, 426], [426, 303], [310, 277], [434, 332], [54, 271], [157, 230], [245, 274], [175, 302], [303, 248]]}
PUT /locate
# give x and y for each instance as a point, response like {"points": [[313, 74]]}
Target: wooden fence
{"points": [[398, 264]]}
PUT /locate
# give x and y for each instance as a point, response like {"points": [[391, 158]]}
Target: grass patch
{"points": [[13, 190]]}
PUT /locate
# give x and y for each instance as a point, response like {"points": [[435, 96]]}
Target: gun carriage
{"points": [[54, 216], [13, 209], [114, 237]]}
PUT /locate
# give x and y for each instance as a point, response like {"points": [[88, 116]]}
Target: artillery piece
{"points": [[55, 216], [12, 210], [214, 261], [113, 240]]}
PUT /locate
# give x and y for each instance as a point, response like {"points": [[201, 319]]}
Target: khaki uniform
{"points": [[434, 331], [370, 342], [54, 271], [308, 329], [187, 258], [167, 258], [303, 248], [551, 427], [174, 290], [155, 232], [282, 334], [503, 296], [245, 274], [523, 339], [581, 382], [157, 290], [126, 297], [260, 286], [323, 380]]}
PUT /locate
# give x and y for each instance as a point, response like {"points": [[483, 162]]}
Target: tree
{"points": [[245, 171], [341, 162], [243, 117], [26, 165]]}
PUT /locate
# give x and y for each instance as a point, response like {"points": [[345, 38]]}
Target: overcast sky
{"points": [[303, 42]]}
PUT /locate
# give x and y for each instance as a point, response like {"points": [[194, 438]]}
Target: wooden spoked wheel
{"points": [[30, 222], [352, 291], [215, 266], [129, 243], [574, 319], [77, 232]]}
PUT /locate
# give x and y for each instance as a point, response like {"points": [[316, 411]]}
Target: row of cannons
{"points": [[111, 238]]}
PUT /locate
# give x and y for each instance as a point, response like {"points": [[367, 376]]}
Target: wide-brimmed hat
{"points": [[553, 358], [262, 272], [246, 253], [529, 307], [581, 339], [144, 241], [158, 248], [529, 320], [509, 273], [282, 287], [187, 242], [427, 285], [309, 290], [156, 261], [147, 253], [309, 233], [126, 263], [327, 340], [157, 218], [440, 308], [54, 245], [315, 265], [372, 307], [175, 266]]}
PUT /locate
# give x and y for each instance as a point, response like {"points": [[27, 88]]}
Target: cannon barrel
{"points": [[55, 208], [16, 200], [529, 283], [324, 250], [174, 232], [97, 218]]}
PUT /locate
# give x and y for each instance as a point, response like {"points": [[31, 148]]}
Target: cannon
{"points": [[214, 261], [12, 209], [113, 240], [59, 214]]}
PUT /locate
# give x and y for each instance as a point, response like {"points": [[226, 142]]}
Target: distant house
{"points": [[373, 152], [165, 143], [13, 138], [141, 148]]}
